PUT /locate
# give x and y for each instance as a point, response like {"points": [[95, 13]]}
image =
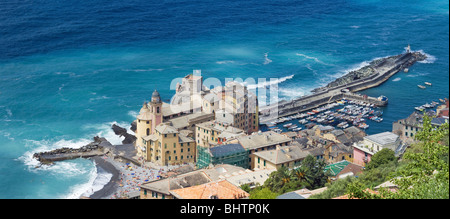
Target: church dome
{"points": [[156, 98]]}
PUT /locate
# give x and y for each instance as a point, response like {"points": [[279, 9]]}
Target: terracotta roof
{"points": [[213, 190]]}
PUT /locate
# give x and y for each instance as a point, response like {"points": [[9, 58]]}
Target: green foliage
{"points": [[384, 156], [335, 189], [425, 174], [309, 175], [262, 193]]}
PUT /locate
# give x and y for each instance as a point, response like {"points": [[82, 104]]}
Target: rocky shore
{"points": [[122, 132]]}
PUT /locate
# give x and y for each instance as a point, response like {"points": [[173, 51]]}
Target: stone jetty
{"points": [[372, 75], [95, 148]]}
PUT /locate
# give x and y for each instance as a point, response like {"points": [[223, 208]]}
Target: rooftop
{"points": [[193, 178], [166, 129], [213, 190], [262, 139], [226, 150], [383, 138], [283, 154]]}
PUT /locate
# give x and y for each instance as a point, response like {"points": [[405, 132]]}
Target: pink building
{"points": [[361, 156]]}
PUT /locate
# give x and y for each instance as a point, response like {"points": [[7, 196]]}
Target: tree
{"points": [[384, 156], [262, 193]]}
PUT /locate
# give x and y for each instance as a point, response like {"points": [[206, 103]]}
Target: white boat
{"points": [[428, 83], [287, 125], [421, 86], [419, 108], [297, 129]]}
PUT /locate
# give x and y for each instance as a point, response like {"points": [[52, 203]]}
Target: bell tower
{"points": [[156, 110]]}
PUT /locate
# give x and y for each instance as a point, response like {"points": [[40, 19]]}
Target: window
{"points": [[148, 131], [175, 135], [174, 145], [258, 159], [157, 109], [148, 122]]}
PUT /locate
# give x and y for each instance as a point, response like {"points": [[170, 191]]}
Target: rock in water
{"points": [[129, 138]]}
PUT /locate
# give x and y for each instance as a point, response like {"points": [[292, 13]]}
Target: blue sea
{"points": [[70, 69]]}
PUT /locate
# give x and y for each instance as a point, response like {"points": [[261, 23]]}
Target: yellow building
{"points": [[149, 117], [261, 141], [213, 133], [167, 146]]}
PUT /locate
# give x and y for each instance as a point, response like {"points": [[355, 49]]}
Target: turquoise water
{"points": [[69, 70]]}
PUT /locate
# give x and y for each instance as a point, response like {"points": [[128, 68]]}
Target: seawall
{"points": [[376, 73]]}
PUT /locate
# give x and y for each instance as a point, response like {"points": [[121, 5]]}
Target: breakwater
{"points": [[95, 148], [372, 75]]}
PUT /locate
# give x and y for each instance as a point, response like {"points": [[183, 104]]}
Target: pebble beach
{"points": [[126, 177]]}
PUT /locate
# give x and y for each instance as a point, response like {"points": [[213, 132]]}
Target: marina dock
{"points": [[379, 71]]}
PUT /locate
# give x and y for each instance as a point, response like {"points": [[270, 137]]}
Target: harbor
{"points": [[345, 87], [341, 114]]}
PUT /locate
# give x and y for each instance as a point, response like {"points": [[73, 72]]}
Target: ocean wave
{"points": [[291, 93], [133, 114], [98, 178], [313, 58], [105, 130], [48, 145], [144, 70], [269, 83], [430, 58], [83, 189], [417, 75], [98, 98], [225, 62]]}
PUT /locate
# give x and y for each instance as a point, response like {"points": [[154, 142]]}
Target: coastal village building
{"points": [[335, 152], [212, 133], [233, 154], [221, 189], [287, 156], [364, 150], [343, 169], [251, 178], [186, 110], [172, 187], [261, 141], [239, 107], [167, 146], [408, 128]]}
